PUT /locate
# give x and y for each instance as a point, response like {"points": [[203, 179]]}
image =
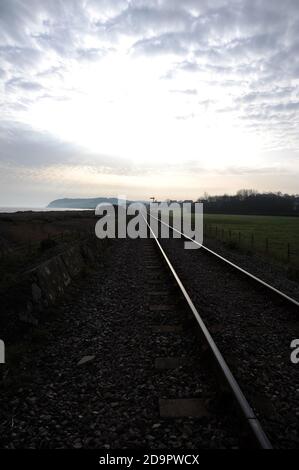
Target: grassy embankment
{"points": [[28, 238], [272, 236]]}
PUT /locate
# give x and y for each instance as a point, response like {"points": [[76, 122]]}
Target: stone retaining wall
{"points": [[42, 286]]}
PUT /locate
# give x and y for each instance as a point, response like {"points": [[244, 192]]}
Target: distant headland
{"points": [[81, 203]]}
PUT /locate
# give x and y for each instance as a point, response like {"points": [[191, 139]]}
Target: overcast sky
{"points": [[169, 98]]}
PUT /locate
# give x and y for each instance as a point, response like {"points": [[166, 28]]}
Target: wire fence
{"points": [[255, 243]]}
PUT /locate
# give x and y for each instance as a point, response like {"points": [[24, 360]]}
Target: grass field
{"points": [[272, 236]]}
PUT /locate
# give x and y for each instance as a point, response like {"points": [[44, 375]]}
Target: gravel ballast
{"points": [[92, 377], [253, 331]]}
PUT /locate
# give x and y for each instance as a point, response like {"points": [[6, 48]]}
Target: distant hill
{"points": [[88, 203]]}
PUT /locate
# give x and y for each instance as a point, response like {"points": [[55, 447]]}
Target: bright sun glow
{"points": [[122, 108]]}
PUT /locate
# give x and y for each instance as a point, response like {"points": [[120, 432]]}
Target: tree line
{"points": [[251, 202]]}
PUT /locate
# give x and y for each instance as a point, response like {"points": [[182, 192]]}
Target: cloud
{"points": [[91, 53], [188, 91], [168, 43], [223, 62], [14, 83], [19, 57], [272, 94], [24, 147]]}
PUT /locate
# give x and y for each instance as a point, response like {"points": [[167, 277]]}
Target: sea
{"points": [[9, 210]]}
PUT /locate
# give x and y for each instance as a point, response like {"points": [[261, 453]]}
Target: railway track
{"points": [[259, 282], [147, 382], [250, 424], [255, 323], [156, 378]]}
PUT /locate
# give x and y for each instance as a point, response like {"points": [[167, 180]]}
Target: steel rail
{"points": [[246, 411], [235, 266]]}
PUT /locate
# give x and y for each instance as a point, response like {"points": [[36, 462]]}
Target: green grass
{"points": [[268, 235]]}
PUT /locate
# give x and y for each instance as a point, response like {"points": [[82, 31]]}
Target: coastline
{"points": [[13, 210]]}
